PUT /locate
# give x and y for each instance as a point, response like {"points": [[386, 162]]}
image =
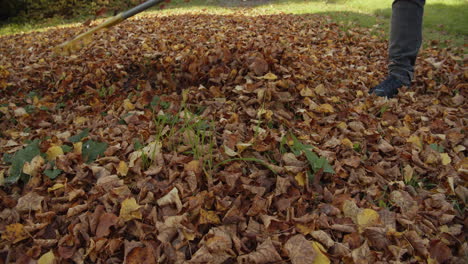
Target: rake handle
{"points": [[140, 8]]}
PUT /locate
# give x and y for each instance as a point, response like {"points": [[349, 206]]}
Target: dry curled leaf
{"points": [[300, 250]]}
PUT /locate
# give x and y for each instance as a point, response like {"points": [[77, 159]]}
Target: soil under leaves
{"points": [[206, 139]]}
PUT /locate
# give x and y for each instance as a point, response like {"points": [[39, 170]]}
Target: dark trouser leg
{"points": [[405, 38]]}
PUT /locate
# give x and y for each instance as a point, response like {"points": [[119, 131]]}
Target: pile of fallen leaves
{"points": [[224, 139]]}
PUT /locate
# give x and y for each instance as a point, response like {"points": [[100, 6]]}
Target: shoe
{"points": [[387, 88]]}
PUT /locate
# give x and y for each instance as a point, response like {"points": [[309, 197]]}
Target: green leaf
{"points": [[155, 101], [21, 156], [29, 109], [52, 174], [316, 163], [7, 158], [66, 148], [92, 150], [137, 144], [80, 136], [165, 105], [436, 147], [32, 94]]}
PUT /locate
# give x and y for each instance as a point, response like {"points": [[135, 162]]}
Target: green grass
{"points": [[443, 19]]}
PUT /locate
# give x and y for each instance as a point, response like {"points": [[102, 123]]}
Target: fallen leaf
{"points": [[171, 198], [47, 258], [416, 141], [300, 250], [30, 202], [445, 159], [32, 168], [300, 178], [265, 253], [408, 173], [208, 217], [122, 168], [320, 90], [325, 108], [130, 210], [270, 76], [53, 152], [440, 251], [55, 187], [106, 221], [14, 233], [320, 258], [128, 105], [367, 218]]}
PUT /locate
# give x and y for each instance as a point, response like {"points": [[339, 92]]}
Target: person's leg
{"points": [[405, 38], [404, 44]]}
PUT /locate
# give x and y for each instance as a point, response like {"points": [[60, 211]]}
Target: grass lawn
{"points": [[445, 21]]}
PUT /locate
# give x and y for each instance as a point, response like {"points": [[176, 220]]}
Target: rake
{"points": [[74, 43]]}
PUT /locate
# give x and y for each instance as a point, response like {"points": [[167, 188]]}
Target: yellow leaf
{"points": [[325, 108], [193, 166], [359, 94], [459, 148], [320, 90], [306, 92], [47, 258], [408, 173], [320, 258], [403, 131], [334, 99], [305, 229], [130, 210], [445, 158], [14, 233], [80, 120], [32, 168], [444, 229], [270, 76], [367, 218], [189, 235], [128, 105], [77, 147], [55, 187], [229, 151], [242, 146], [342, 125], [346, 142], [122, 169], [415, 140], [53, 152], [300, 178], [2, 177], [451, 184], [208, 217], [431, 158]]}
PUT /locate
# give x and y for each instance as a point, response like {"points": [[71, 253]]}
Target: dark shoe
{"points": [[387, 88]]}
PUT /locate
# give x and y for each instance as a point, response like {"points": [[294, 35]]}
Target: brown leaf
{"points": [[440, 251], [265, 253], [259, 66], [30, 202], [300, 250], [139, 255], [106, 221], [323, 238], [363, 254], [377, 237], [417, 243]]}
